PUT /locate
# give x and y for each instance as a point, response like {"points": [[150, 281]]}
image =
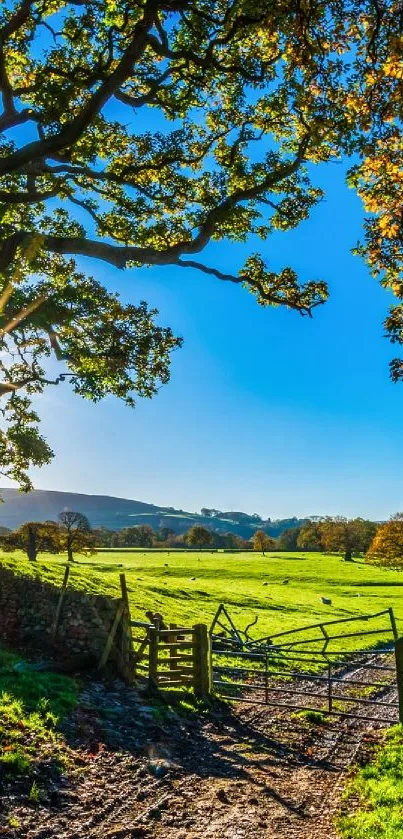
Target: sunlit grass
{"points": [[374, 797], [31, 705], [188, 587]]}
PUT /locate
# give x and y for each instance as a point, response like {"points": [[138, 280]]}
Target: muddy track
{"points": [[250, 772]]}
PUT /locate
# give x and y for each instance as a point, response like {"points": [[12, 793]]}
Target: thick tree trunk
{"points": [[32, 551], [70, 557]]}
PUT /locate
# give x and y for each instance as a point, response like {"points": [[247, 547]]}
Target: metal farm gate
{"points": [[325, 668]]}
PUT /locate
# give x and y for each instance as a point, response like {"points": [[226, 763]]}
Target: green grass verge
{"points": [[375, 794], [188, 587], [31, 705]]}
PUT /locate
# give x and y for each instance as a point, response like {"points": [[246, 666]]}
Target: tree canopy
{"points": [[199, 537], [387, 546], [34, 537], [262, 542], [137, 133], [76, 534]]}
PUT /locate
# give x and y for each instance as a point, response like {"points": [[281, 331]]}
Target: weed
{"points": [[13, 822], [35, 794], [315, 717]]}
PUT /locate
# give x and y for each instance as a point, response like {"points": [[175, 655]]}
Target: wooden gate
{"points": [[173, 657]]}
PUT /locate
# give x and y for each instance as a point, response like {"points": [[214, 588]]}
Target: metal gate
{"points": [[327, 668]]}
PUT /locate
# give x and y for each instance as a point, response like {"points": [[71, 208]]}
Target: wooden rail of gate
{"points": [[173, 657]]}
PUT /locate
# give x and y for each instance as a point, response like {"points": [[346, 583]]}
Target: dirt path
{"points": [[140, 771]]}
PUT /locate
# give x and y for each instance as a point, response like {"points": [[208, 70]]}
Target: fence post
{"points": [[111, 637], [399, 674], [329, 687], [58, 613], [173, 651], [127, 652], [153, 658], [393, 624], [201, 661]]}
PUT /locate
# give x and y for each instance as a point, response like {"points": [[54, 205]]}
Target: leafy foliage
{"points": [[337, 534], [75, 534], [387, 546], [137, 133], [199, 537], [34, 537], [262, 542]]}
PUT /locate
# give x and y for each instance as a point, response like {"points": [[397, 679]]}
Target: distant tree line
{"points": [[143, 536], [381, 543]]}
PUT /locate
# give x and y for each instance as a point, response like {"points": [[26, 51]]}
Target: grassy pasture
{"points": [[374, 795], [188, 587]]}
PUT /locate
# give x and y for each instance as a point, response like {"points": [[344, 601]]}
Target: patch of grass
{"points": [[14, 762], [14, 822], [35, 794], [50, 694], [315, 717], [31, 705], [373, 800]]}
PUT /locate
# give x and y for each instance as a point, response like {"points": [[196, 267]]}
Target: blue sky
{"points": [[266, 411]]}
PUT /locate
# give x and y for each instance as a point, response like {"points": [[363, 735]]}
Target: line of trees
{"points": [[72, 533], [143, 536]]}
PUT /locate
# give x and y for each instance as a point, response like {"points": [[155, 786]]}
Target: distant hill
{"points": [[116, 513]]}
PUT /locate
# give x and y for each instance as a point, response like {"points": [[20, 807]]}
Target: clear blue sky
{"points": [[266, 411]]}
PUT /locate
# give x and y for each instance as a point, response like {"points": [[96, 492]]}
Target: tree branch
{"points": [[74, 129]]}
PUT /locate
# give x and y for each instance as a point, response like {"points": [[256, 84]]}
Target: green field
{"points": [[164, 582]]}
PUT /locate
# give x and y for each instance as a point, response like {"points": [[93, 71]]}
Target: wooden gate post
{"points": [[58, 614], [201, 661], [126, 652], [399, 674], [153, 658], [393, 624]]}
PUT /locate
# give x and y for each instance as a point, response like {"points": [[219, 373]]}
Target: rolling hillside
{"points": [[116, 513]]}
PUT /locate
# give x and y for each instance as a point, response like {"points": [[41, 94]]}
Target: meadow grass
{"points": [[31, 705], [188, 587], [374, 797]]}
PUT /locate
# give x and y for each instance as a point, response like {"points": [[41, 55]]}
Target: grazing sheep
{"points": [[326, 601], [285, 582]]}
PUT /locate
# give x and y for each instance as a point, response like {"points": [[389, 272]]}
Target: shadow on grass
{"points": [[24, 682]]}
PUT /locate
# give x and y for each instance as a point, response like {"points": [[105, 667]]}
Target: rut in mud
{"points": [[138, 771]]}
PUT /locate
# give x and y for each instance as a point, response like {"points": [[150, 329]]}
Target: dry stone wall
{"points": [[27, 612]]}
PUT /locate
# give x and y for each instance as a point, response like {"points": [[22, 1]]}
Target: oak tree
{"points": [[387, 546], [199, 537], [309, 537], [262, 542], [347, 536], [138, 133], [34, 537], [76, 534]]}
